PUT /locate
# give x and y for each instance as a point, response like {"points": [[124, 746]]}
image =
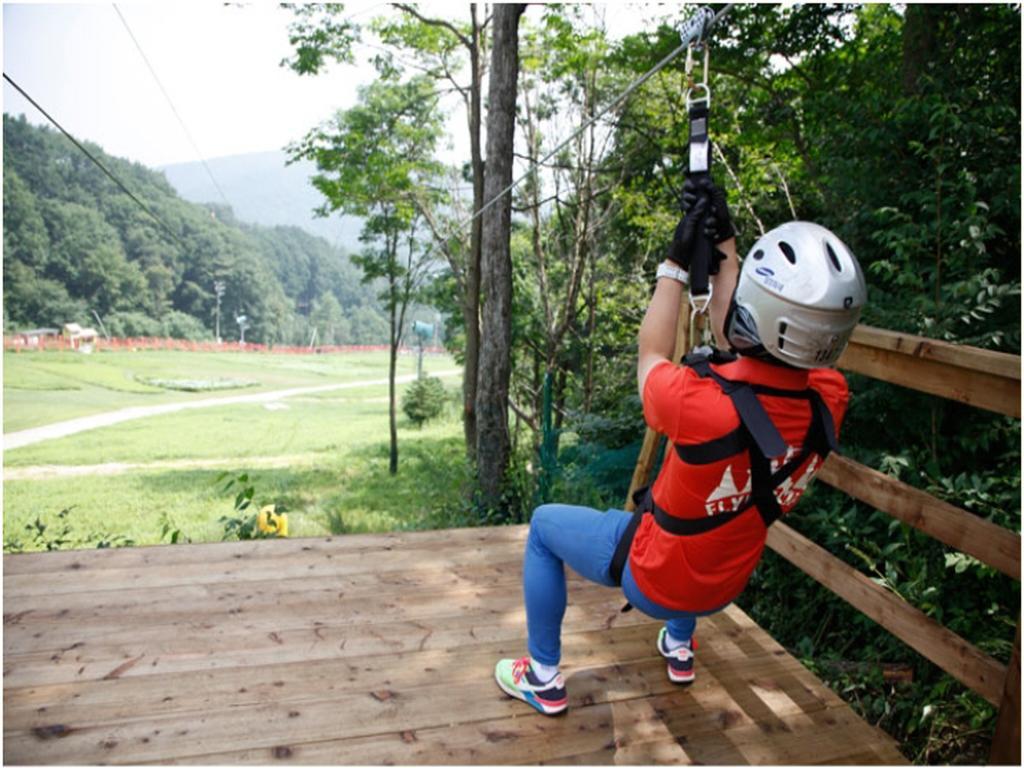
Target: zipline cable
{"points": [[696, 29], [170, 103], [99, 165]]}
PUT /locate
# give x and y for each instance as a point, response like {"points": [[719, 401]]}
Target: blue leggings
{"points": [[585, 539]]}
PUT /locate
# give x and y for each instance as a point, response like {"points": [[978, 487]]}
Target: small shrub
{"points": [[179, 325], [50, 537], [424, 400], [265, 524]]}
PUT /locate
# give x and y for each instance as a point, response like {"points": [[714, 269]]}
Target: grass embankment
{"points": [[322, 458]]}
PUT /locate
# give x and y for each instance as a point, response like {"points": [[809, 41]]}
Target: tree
{"points": [[492, 447], [435, 43], [329, 321], [374, 160]]}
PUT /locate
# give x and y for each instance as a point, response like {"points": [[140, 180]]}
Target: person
{"points": [[736, 465]]}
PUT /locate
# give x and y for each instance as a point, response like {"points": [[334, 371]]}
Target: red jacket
{"points": [[705, 571]]}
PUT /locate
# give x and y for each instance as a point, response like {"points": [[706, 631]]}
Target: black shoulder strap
{"points": [[751, 412]]}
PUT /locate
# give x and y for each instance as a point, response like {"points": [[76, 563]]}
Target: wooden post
{"points": [[1006, 742], [649, 450]]}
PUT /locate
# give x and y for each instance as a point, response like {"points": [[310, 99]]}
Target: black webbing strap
{"points": [[700, 145], [714, 450], [751, 412], [700, 165], [644, 501]]}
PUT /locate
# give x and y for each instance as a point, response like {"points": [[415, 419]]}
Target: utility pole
{"points": [[218, 288]]}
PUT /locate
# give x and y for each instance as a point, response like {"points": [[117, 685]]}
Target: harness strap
{"points": [[752, 414], [713, 450], [644, 500], [820, 439]]}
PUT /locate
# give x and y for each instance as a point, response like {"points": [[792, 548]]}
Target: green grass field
{"points": [[45, 387], [321, 457]]}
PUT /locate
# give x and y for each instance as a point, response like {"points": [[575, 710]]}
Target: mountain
{"points": [[76, 245], [262, 189]]}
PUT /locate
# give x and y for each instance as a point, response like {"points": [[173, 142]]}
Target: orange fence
{"points": [[23, 343]]}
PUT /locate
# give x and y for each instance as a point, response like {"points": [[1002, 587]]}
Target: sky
{"points": [[219, 63]]}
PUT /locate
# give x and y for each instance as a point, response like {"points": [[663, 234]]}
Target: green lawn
{"points": [[321, 457], [45, 387]]}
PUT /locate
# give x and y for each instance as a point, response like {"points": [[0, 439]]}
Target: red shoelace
{"points": [[519, 668]]}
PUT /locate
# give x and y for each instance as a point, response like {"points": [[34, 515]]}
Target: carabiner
{"points": [[691, 87], [706, 97], [699, 306]]}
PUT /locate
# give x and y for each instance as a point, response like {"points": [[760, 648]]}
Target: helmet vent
{"points": [[787, 251], [782, 334], [758, 255], [833, 258]]}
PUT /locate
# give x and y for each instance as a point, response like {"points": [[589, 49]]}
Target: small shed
{"points": [[35, 337], [82, 339]]}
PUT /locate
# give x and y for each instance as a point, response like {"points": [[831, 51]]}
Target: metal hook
{"points": [[702, 86]]}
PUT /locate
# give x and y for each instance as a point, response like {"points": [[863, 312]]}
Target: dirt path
{"points": [[40, 471], [73, 426]]}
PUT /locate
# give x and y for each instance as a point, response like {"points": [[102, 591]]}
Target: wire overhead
{"points": [[170, 103], [694, 31], [98, 164]]}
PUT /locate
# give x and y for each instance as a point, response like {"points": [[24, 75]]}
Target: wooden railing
{"points": [[977, 377]]}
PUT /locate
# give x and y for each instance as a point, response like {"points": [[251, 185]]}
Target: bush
{"points": [[132, 325], [178, 325], [423, 400]]}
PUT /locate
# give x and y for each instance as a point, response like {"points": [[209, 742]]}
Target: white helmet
{"points": [[798, 298]]}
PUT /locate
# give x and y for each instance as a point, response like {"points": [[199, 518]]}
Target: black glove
{"points": [[719, 225], [688, 229]]}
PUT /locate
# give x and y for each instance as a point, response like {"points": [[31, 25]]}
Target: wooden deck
{"points": [[376, 650]]}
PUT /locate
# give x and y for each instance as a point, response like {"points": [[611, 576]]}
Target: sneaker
{"points": [[516, 678], [680, 661]]}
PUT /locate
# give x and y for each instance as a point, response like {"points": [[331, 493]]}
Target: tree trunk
{"points": [[920, 41], [492, 446], [471, 300], [392, 365]]}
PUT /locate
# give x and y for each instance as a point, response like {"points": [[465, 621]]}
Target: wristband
{"points": [[670, 270]]}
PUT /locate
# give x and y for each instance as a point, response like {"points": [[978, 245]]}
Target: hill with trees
{"points": [[76, 246]]}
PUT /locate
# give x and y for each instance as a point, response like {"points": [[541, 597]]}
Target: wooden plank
{"points": [[147, 603], [1006, 742], [999, 364], [204, 646], [299, 679], [110, 701], [988, 542], [607, 727], [835, 738], [701, 722], [975, 669], [274, 614], [398, 669], [910, 361], [262, 550], [405, 707], [359, 712], [649, 450], [327, 564]]}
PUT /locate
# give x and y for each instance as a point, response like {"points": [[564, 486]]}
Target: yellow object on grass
{"points": [[268, 521]]}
